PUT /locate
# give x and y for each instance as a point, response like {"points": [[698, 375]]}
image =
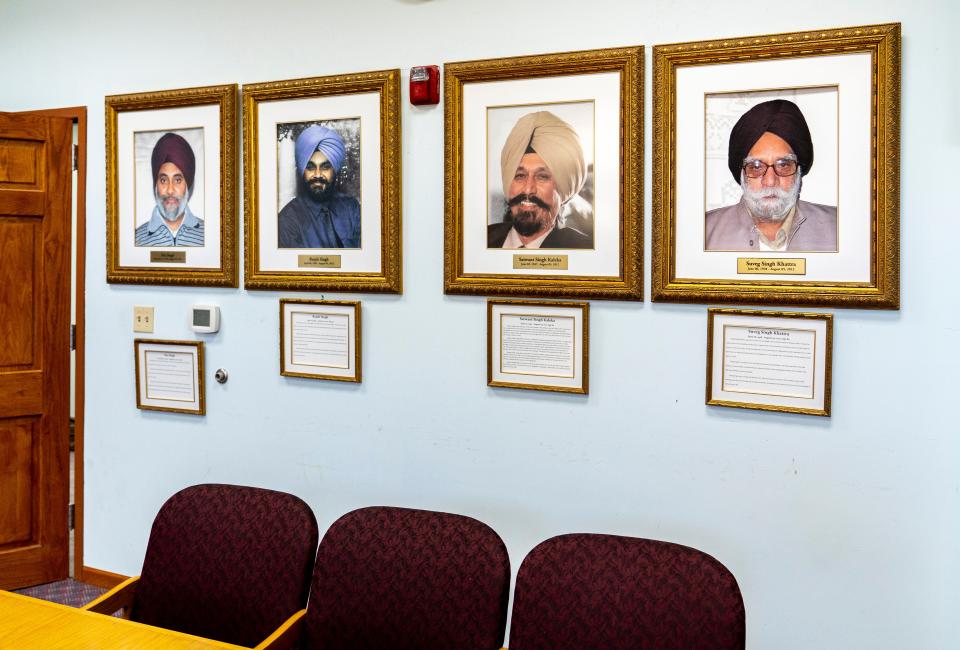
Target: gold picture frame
{"points": [[178, 377], [362, 106], [331, 339], [483, 101], [560, 332], [855, 73], [202, 250], [774, 364]]}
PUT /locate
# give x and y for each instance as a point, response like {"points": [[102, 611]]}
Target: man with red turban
{"points": [[542, 167], [770, 152], [172, 223]]}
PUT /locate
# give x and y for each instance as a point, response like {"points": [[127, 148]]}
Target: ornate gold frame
{"points": [[227, 274], [201, 384], [828, 360], [628, 61], [584, 308], [883, 290], [357, 330], [389, 278]]}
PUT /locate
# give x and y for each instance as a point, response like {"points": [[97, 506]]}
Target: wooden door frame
{"points": [[78, 114]]}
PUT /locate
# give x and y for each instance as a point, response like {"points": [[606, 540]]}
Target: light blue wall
{"points": [[842, 532]]}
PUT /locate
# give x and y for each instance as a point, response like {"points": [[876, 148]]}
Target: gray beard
{"points": [[765, 210], [176, 212]]}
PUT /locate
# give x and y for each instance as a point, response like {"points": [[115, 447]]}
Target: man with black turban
{"points": [[172, 223], [319, 216], [770, 152], [542, 168]]}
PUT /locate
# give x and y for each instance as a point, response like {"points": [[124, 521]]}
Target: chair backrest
{"points": [[227, 562], [619, 593], [399, 579]]}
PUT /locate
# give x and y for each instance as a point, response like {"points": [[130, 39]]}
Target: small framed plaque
{"points": [[770, 360], [320, 339], [539, 345], [170, 376]]}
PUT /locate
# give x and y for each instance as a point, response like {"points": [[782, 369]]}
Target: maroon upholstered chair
{"points": [[620, 593], [400, 579], [225, 562]]}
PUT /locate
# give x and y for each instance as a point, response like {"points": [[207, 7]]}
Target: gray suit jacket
{"points": [[732, 229]]}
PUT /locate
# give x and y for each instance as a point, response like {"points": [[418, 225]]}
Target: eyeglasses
{"points": [[782, 167]]}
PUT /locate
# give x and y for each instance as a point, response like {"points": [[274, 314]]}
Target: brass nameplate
{"points": [[558, 262], [170, 257], [318, 261], [772, 266]]}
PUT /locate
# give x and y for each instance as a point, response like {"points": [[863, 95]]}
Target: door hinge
{"points": [[72, 516], [76, 156], [73, 337]]}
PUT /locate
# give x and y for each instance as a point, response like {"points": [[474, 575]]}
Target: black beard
{"points": [[524, 222], [317, 190]]}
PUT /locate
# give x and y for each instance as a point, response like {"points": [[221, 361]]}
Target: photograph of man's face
{"points": [[168, 178], [540, 176], [760, 154], [318, 184]]}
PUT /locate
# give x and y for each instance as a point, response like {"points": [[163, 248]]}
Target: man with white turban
{"points": [[770, 152], [320, 216], [542, 168]]}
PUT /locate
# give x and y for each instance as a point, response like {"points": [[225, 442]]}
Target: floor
{"points": [[66, 592]]}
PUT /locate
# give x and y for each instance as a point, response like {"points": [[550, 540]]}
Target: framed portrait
{"points": [[171, 187], [544, 175], [770, 360], [538, 345], [169, 376], [322, 183], [777, 169], [320, 339]]}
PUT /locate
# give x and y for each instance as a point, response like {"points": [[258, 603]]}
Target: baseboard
{"points": [[101, 578]]}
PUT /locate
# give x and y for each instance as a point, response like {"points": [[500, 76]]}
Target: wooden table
{"points": [[31, 624]]}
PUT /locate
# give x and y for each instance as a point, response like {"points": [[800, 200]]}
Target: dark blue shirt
{"points": [[333, 223]]}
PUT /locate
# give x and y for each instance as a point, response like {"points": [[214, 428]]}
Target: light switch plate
{"points": [[143, 319]]}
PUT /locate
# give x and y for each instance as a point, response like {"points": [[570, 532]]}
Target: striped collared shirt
{"points": [[156, 233]]}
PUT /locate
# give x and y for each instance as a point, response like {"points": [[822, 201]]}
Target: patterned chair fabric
{"points": [[620, 593], [399, 579], [227, 562]]}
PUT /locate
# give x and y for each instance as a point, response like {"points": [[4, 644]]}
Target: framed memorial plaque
{"points": [[171, 187], [538, 345], [770, 360], [320, 339], [169, 376], [322, 183], [777, 169], [544, 175]]}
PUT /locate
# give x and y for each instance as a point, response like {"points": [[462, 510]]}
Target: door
{"points": [[35, 175]]}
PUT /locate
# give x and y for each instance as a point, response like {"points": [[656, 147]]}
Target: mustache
{"points": [[529, 198]]}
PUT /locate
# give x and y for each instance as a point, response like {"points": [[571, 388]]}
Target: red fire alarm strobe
{"points": [[425, 85]]}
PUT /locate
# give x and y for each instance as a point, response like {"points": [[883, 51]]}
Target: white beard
{"points": [[770, 204], [177, 211]]}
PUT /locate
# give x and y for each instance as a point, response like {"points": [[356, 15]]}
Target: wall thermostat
{"points": [[205, 319]]}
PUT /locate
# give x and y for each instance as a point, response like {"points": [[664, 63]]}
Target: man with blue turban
{"points": [[320, 216]]}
